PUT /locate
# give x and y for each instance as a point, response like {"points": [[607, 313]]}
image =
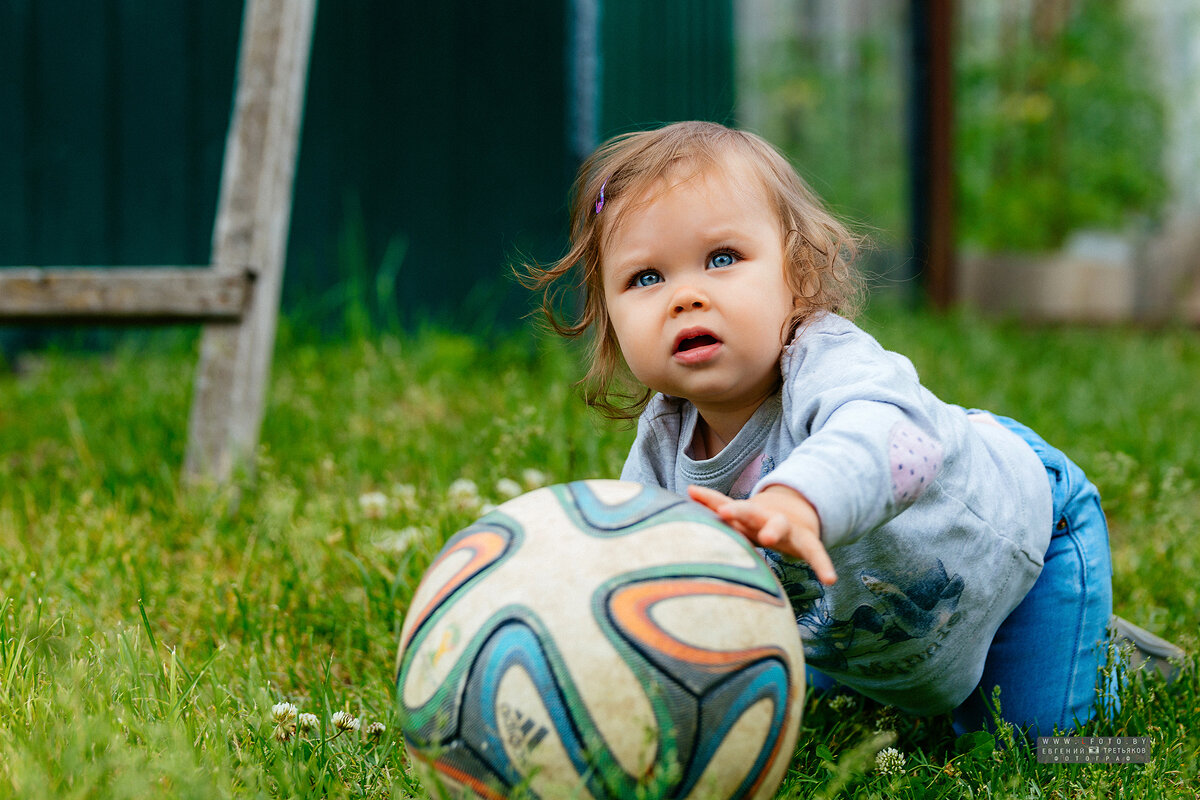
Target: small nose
{"points": [[688, 298]]}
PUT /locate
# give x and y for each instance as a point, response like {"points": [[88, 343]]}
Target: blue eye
{"points": [[722, 259], [646, 278]]}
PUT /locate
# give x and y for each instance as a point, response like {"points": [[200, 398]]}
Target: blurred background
{"points": [[440, 139]]}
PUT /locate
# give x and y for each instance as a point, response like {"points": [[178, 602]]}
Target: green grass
{"points": [[147, 631]]}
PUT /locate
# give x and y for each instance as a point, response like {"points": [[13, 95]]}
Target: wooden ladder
{"points": [[236, 297]]}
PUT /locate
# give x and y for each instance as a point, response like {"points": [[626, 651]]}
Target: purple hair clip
{"points": [[600, 200]]}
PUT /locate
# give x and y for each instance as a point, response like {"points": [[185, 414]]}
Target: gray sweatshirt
{"points": [[936, 525]]}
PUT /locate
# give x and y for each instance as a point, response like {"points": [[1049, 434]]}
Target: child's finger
{"points": [[743, 517], [774, 531], [751, 522], [766, 529], [711, 498], [778, 534], [814, 553], [743, 514]]}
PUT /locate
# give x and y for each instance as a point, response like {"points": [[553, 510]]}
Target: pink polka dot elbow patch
{"points": [[916, 459]]}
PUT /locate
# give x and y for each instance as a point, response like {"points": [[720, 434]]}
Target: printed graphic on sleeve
{"points": [[916, 459], [922, 607]]}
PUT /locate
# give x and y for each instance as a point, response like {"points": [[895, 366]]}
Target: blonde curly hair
{"points": [[819, 249]]}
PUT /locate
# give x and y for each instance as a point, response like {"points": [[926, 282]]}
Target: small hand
{"points": [[777, 518]]}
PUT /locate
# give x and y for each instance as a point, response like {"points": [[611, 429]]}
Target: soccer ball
{"points": [[600, 639]]}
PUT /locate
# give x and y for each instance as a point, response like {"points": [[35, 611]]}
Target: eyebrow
{"points": [[722, 233], [624, 269], [711, 238]]}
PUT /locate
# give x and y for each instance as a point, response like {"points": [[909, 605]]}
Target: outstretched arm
{"points": [[777, 518]]}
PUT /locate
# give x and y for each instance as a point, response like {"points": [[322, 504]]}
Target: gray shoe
{"points": [[1145, 650]]}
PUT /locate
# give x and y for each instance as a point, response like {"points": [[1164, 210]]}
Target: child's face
{"points": [[694, 284]]}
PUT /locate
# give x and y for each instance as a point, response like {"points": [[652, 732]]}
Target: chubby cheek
{"points": [[635, 350], [630, 322], [770, 321], [619, 333]]}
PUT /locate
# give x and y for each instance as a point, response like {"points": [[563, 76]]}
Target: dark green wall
{"points": [[438, 123], [666, 60], [112, 124], [433, 129]]}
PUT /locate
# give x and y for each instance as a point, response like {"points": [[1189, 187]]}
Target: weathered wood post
{"points": [[254, 210]]}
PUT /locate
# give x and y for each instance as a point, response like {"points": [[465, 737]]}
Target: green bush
{"points": [[1058, 130], [1059, 126]]}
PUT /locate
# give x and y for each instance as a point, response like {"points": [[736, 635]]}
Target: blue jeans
{"points": [[1046, 656]]}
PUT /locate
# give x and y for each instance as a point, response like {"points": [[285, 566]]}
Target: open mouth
{"points": [[692, 342], [696, 345]]}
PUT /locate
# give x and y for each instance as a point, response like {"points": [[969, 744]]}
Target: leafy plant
{"points": [[1059, 119], [1060, 125]]}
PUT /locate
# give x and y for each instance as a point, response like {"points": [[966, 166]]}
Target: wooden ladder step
{"points": [[132, 295]]}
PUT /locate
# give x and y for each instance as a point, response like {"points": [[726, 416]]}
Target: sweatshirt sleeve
{"points": [[867, 442]]}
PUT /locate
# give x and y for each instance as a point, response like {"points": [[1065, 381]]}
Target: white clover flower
{"points": [[406, 496], [283, 713], [842, 702], [464, 494], [399, 542], [308, 722], [463, 487], [534, 478], [887, 720], [373, 504], [889, 761], [285, 732], [508, 488], [375, 730], [344, 721]]}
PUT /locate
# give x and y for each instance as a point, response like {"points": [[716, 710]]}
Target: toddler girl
{"points": [[930, 553]]}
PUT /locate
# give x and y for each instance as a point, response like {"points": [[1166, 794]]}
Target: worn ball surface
{"points": [[600, 639]]}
